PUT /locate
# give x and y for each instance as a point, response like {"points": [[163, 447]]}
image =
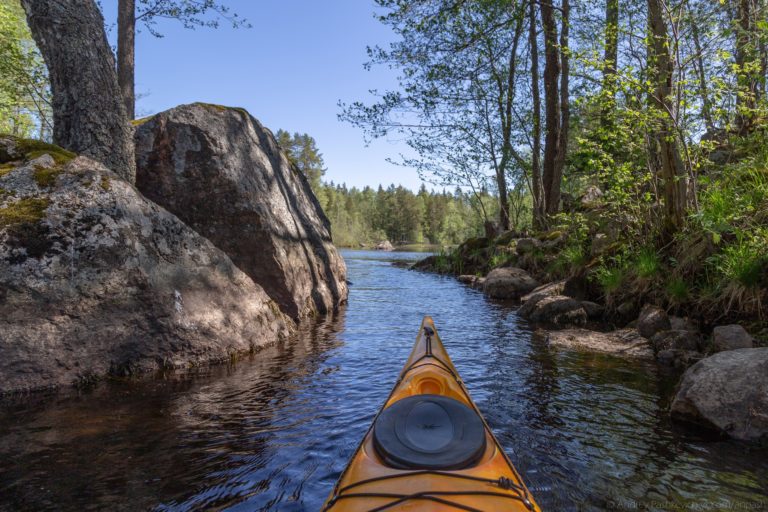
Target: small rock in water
{"points": [[384, 245]]}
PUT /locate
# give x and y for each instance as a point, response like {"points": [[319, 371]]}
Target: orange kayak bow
{"points": [[429, 448]]}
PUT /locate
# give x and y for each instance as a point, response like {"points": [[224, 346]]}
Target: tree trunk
{"points": [[538, 187], [673, 173], [762, 49], [565, 112], [746, 100], [126, 54], [611, 59], [506, 96], [552, 108], [88, 114], [501, 183], [706, 106]]}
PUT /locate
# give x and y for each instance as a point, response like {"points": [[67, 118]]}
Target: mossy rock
{"points": [[36, 148], [30, 149], [21, 219], [23, 211], [7, 168], [46, 176], [222, 108], [551, 235], [141, 121], [506, 238], [473, 244]]}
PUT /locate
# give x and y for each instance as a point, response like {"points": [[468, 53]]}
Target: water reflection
{"points": [[588, 432]]}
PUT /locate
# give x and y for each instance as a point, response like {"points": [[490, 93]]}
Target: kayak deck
{"points": [[370, 483]]}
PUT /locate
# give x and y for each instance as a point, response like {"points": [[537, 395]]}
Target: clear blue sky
{"points": [[289, 70]]}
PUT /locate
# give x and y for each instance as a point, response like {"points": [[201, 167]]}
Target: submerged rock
{"points": [[623, 343], [220, 171], [508, 283], [727, 392], [96, 279]]}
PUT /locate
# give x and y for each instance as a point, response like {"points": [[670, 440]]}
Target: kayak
{"points": [[429, 448]]}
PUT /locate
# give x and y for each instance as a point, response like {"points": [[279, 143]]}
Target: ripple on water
{"points": [[588, 432]]}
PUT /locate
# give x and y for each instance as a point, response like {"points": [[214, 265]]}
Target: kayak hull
{"points": [[490, 484]]}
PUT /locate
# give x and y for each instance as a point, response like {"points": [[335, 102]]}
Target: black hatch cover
{"points": [[429, 432]]}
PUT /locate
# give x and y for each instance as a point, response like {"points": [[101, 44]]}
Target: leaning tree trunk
{"points": [[565, 108], [552, 138], [88, 113], [126, 54], [698, 64], [610, 62], [673, 172], [539, 205]]}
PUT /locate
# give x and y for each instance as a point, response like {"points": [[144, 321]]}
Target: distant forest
{"points": [[364, 217]]}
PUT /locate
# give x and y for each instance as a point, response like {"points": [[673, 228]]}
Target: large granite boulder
{"points": [[727, 392], [95, 279], [221, 172], [508, 283]]}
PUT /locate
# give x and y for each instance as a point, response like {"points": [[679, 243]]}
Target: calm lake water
{"points": [[587, 432]]}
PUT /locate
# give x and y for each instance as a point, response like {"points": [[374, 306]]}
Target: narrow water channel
{"points": [[587, 432]]}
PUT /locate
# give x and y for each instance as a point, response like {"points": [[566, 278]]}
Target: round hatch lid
{"points": [[429, 432]]}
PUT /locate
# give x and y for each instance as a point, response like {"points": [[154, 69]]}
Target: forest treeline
{"points": [[362, 217]]}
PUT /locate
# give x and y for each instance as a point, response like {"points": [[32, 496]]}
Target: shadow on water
{"points": [[273, 432]]}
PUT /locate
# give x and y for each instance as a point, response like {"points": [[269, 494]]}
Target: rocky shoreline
{"points": [[220, 249], [725, 383]]}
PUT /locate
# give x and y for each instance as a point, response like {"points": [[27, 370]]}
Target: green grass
{"points": [[743, 263], [501, 258], [647, 264], [678, 290], [611, 279]]}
